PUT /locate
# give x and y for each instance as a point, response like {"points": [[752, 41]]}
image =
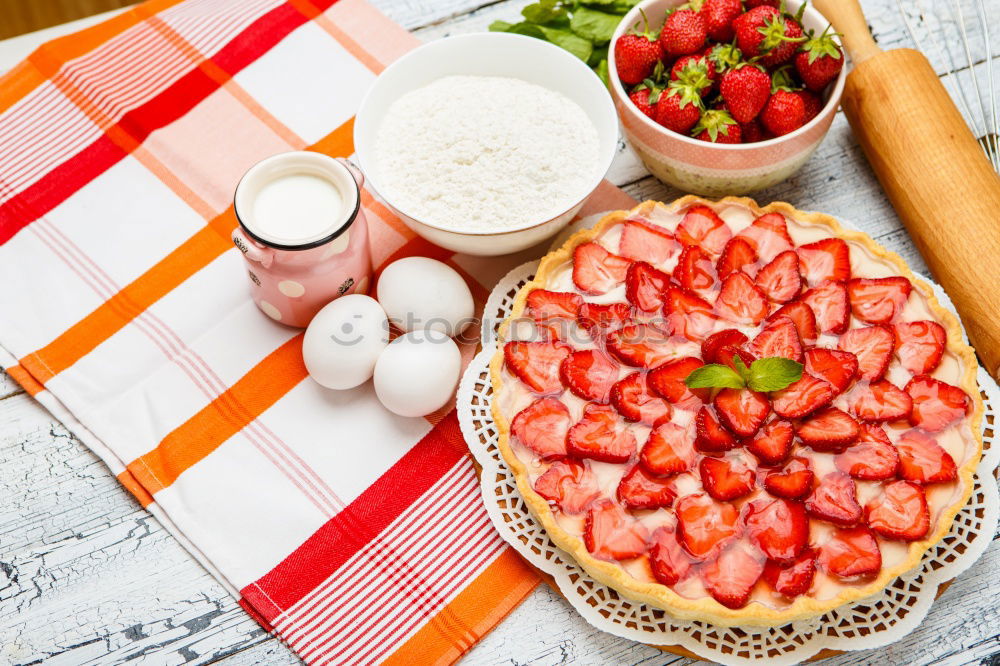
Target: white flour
{"points": [[482, 152]]}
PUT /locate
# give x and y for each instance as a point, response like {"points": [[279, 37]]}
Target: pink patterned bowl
{"points": [[715, 169]]}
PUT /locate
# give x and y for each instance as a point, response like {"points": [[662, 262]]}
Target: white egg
{"points": [[344, 341], [420, 293], [417, 373]]}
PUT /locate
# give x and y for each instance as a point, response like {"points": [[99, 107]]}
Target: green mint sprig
{"points": [[764, 375], [582, 27]]}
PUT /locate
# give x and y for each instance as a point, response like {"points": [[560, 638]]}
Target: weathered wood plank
{"points": [[413, 14], [86, 574]]}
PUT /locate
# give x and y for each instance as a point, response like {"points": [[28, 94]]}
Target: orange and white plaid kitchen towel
{"points": [[357, 536]]}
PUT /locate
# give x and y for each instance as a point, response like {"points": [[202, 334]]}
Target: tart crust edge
{"points": [[708, 609]]}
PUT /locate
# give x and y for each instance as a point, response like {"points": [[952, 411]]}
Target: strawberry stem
{"points": [[715, 122], [782, 80], [688, 93], [801, 12], [824, 45], [646, 32]]}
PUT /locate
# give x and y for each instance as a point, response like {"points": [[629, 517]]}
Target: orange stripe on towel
{"points": [[25, 379], [132, 485], [47, 59], [480, 606], [226, 415], [112, 315]]}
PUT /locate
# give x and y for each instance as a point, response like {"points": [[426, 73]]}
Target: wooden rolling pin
{"points": [[931, 167]]}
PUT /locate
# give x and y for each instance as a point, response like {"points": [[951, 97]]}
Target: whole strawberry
{"points": [[723, 57], [641, 98], [752, 132], [694, 70], [717, 126], [719, 16], [746, 90], [784, 112], [684, 32], [766, 33], [636, 54], [811, 102], [679, 107], [819, 61]]}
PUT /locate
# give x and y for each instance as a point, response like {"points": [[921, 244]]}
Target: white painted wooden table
{"points": [[88, 577]]}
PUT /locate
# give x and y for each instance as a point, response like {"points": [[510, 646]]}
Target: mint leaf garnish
{"points": [[741, 368], [714, 375], [764, 375], [773, 374]]}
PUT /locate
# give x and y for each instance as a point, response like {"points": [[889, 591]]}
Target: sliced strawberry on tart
{"points": [[696, 272], [835, 367], [644, 286], [703, 227], [728, 339], [802, 316], [827, 260], [738, 255], [643, 345], [645, 241], [687, 314], [773, 443], [792, 579], [595, 270], [793, 481], [635, 400], [542, 427], [611, 533], [726, 479], [639, 489], [779, 337], [668, 378], [778, 527], [740, 301], [768, 236], [554, 311], [599, 435], [872, 457], [872, 347], [668, 450], [570, 484], [781, 280], [667, 558], [704, 525], [750, 409], [829, 306], [599, 319]]}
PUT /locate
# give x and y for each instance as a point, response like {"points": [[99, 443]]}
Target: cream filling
{"points": [[957, 440]]}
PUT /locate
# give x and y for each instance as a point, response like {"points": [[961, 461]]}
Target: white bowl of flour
{"points": [[486, 143]]}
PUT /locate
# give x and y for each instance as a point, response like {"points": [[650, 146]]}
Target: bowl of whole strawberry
{"points": [[725, 96]]}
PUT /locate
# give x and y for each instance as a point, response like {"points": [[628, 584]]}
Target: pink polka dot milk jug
{"points": [[303, 234]]}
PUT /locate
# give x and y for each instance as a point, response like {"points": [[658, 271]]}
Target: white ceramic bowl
{"points": [[716, 169], [488, 54]]}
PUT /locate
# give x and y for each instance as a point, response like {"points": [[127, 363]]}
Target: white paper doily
{"points": [[874, 622]]}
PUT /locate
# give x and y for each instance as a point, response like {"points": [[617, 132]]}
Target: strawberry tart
{"points": [[740, 415]]}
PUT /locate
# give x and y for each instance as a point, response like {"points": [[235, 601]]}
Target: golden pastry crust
{"points": [[708, 609]]}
